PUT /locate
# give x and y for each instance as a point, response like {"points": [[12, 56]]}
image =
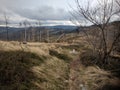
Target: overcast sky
{"points": [[48, 11]]}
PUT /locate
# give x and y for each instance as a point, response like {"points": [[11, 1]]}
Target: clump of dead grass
{"points": [[92, 78]]}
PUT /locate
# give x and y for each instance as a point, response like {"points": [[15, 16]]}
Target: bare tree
{"points": [[100, 15], [26, 24], [20, 38], [6, 26], [33, 34], [40, 33], [25, 37], [48, 35]]}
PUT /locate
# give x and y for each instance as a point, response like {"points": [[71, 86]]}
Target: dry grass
{"points": [[49, 70], [95, 77], [51, 74], [15, 70], [38, 48], [54, 72], [92, 78]]}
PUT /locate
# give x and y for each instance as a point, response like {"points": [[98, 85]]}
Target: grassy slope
{"points": [[33, 66], [47, 66]]}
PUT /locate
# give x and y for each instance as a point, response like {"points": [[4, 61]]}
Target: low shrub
{"points": [[88, 59]]}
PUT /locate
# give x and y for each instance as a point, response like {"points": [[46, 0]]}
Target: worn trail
{"points": [[75, 81]]}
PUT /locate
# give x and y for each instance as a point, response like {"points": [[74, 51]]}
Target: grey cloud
{"points": [[25, 10], [42, 13]]}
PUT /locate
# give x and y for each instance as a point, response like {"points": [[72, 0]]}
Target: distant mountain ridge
{"points": [[17, 33], [57, 27]]}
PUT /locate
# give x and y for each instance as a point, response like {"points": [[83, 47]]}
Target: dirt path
{"points": [[75, 81]]}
